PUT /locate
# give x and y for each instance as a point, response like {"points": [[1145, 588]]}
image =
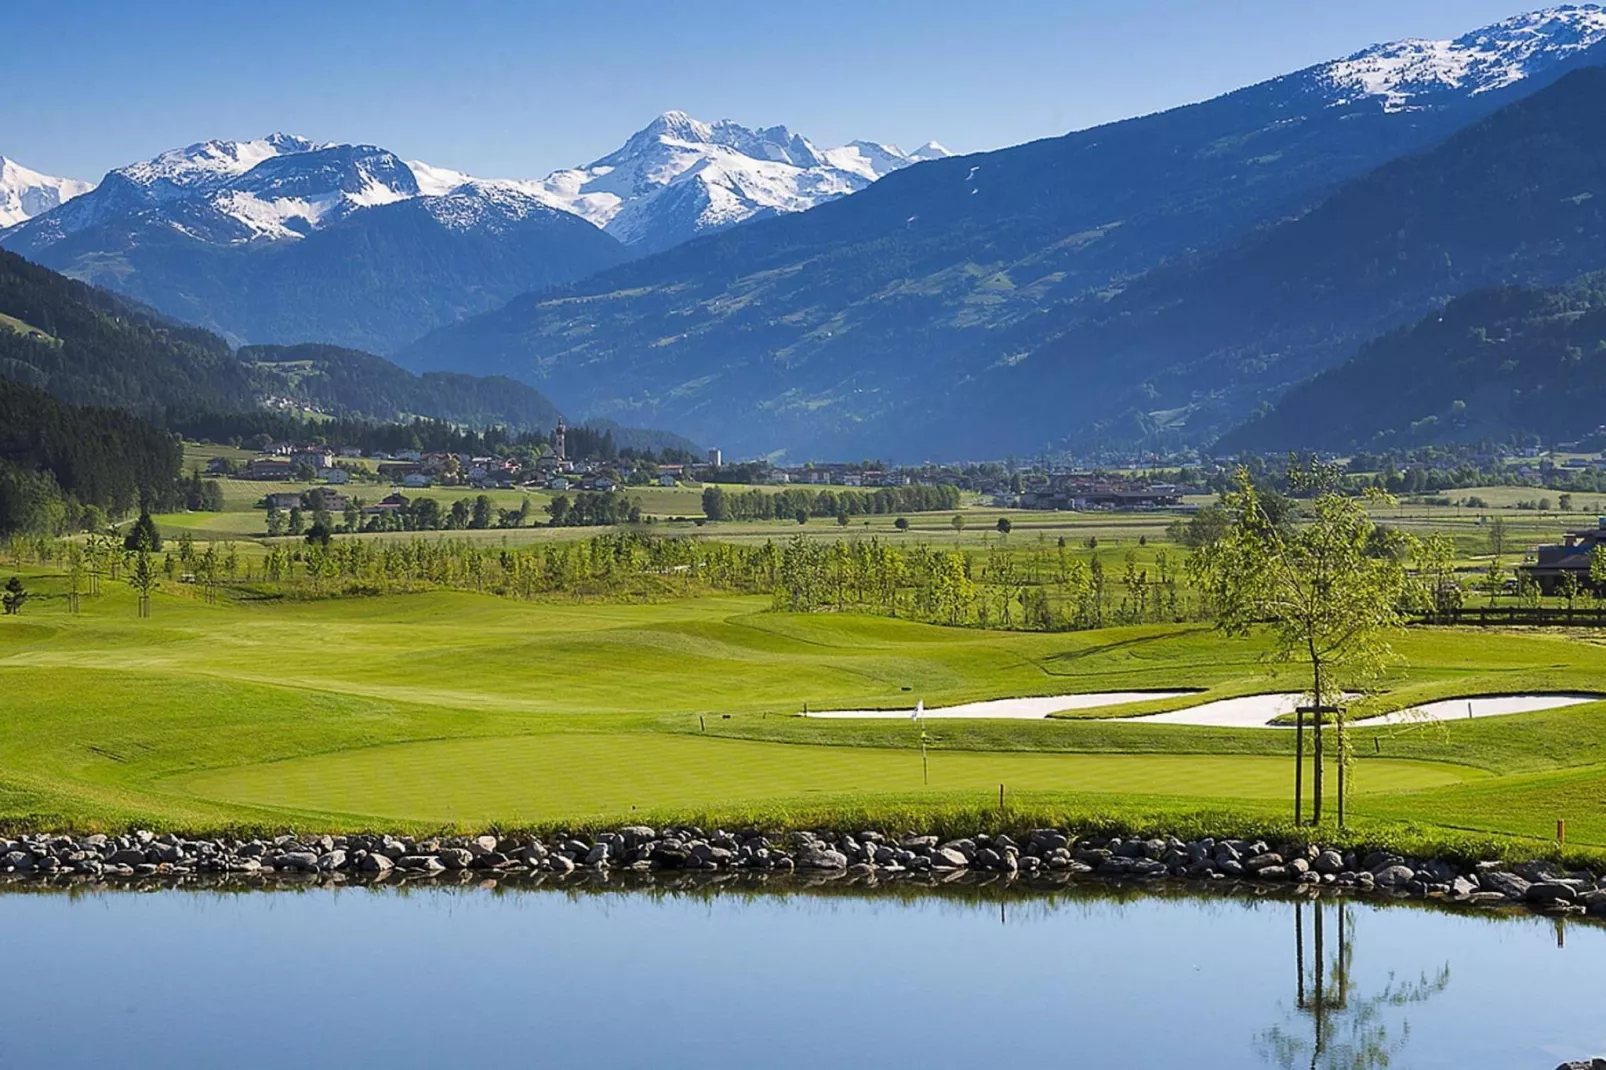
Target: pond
{"points": [[434, 976]]}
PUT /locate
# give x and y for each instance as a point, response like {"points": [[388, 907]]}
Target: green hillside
{"points": [[1492, 364]]}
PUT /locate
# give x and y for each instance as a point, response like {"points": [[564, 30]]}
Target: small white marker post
{"points": [[916, 717]]}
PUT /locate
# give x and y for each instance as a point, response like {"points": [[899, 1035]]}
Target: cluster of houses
{"points": [[1039, 487], [1085, 492]]}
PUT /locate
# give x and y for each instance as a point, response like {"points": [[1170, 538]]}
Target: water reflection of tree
{"points": [[1332, 1027]]}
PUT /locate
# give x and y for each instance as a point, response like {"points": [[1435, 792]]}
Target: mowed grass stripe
{"points": [[561, 776]]}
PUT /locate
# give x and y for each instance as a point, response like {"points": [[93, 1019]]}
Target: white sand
{"points": [[1026, 709], [1460, 709], [1251, 711], [1256, 711]]}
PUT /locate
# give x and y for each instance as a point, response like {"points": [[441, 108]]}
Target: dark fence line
{"points": [[1529, 616]]}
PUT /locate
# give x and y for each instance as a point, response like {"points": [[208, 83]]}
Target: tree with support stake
{"points": [[1328, 587]]}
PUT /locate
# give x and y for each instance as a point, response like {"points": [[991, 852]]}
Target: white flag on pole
{"points": [[920, 710]]}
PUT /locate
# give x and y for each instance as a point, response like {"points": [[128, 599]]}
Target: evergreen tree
{"points": [[14, 597], [144, 535]]}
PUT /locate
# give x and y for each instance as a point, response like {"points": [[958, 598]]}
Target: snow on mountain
{"points": [[207, 165], [1478, 62], [25, 194], [678, 177], [675, 178]]}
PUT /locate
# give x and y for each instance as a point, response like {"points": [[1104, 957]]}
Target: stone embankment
{"points": [[1049, 856]]}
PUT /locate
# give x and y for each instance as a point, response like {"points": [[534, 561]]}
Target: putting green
{"points": [[557, 776]]}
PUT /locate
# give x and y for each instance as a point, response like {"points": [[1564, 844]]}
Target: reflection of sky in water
{"points": [[447, 977]]}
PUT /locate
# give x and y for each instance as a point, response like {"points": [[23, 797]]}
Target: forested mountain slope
{"points": [[871, 324], [1491, 364], [87, 346], [1519, 197], [348, 382]]}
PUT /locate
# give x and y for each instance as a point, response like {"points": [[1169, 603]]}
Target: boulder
{"points": [[815, 856], [376, 863], [1507, 884], [427, 864], [1395, 876], [948, 858], [1550, 892], [1329, 863]]}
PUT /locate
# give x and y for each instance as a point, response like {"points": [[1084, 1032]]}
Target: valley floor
{"points": [[451, 709]]}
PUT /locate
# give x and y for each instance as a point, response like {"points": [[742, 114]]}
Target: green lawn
{"points": [[559, 777], [446, 708]]}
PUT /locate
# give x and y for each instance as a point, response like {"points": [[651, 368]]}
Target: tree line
{"points": [[67, 468], [804, 502]]}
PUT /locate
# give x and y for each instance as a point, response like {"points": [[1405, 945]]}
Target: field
{"points": [[449, 708]]}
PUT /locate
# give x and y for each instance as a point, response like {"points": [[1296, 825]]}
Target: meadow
{"points": [[450, 708]]}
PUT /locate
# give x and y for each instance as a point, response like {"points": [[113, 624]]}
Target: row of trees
{"points": [[793, 502]]}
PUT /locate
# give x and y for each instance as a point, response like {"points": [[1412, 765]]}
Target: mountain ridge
{"points": [[871, 324]]}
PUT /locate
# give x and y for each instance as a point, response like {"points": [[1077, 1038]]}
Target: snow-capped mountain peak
{"points": [[25, 193], [679, 176], [1491, 58], [209, 164], [673, 179]]}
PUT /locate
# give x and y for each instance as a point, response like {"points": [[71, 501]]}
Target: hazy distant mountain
{"points": [[1516, 198], [25, 194], [946, 309], [285, 240], [678, 178]]}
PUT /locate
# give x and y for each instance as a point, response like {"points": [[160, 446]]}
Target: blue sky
{"points": [[517, 89]]}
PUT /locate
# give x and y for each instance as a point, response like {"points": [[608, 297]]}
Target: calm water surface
{"points": [[453, 977]]}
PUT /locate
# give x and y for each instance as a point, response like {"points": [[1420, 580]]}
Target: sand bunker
{"points": [[1025, 709], [1257, 711], [1460, 709]]}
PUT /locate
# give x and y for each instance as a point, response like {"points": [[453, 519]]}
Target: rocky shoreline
{"points": [[1047, 856]]}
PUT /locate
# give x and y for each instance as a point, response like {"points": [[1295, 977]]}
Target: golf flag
{"points": [[920, 710]]}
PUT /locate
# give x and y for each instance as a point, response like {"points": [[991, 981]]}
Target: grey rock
{"points": [[1394, 876], [376, 863], [1329, 862], [421, 864], [948, 858], [1049, 839], [1550, 892], [1507, 884], [816, 857]]}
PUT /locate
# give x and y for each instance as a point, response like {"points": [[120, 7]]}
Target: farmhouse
{"points": [[1573, 555], [268, 468]]}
